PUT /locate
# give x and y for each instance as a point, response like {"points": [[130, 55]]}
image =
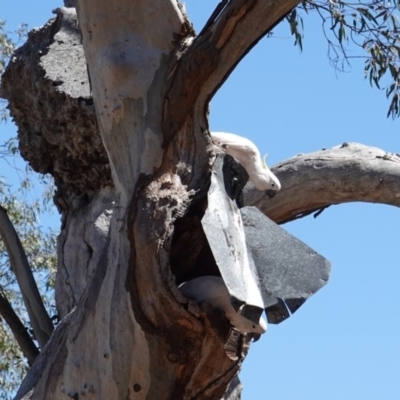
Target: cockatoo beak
{"points": [[247, 153], [271, 193], [256, 336]]}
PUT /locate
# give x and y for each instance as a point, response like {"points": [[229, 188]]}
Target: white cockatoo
{"points": [[212, 289], [246, 152]]}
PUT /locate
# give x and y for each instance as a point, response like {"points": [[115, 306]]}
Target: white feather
{"points": [[246, 152], [212, 289]]}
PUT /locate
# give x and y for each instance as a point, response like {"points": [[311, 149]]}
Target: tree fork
{"points": [[130, 323]]}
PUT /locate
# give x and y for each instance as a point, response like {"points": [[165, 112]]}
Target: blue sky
{"points": [[343, 344]]}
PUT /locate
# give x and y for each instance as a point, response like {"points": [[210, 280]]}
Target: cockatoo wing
{"points": [[212, 289], [246, 152], [236, 146]]}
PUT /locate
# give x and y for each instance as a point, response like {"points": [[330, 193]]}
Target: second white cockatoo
{"points": [[246, 152], [212, 289]]}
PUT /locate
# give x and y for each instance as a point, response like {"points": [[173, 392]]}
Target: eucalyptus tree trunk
{"points": [[131, 197], [125, 330]]}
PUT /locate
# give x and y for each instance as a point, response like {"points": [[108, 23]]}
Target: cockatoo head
{"points": [[212, 289], [245, 325], [247, 153], [266, 180]]}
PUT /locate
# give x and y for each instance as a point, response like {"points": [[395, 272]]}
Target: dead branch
{"points": [[18, 329], [347, 173], [40, 320]]}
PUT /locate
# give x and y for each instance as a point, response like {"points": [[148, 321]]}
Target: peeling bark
{"points": [[80, 246]]}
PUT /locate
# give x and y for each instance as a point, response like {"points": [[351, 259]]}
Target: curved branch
{"points": [[347, 173], [236, 30], [231, 32], [40, 320], [18, 329]]}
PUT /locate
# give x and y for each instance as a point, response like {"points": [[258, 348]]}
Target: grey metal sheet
{"points": [[288, 270], [262, 265], [222, 224]]}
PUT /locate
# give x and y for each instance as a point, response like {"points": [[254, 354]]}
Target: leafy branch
{"points": [[39, 245], [372, 26], [7, 47]]}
